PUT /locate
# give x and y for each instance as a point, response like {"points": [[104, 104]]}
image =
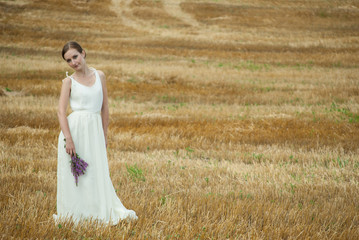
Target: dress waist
{"points": [[85, 112]]}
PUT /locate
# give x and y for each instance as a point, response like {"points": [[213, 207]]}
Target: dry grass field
{"points": [[229, 119]]}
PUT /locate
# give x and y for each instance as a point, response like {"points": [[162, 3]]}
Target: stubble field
{"points": [[228, 119]]}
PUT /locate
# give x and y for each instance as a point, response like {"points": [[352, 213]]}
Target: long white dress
{"points": [[95, 196]]}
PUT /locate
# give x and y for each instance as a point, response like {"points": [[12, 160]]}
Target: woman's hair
{"points": [[69, 45]]}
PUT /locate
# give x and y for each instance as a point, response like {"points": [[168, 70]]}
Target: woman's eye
{"points": [[75, 56], [68, 60]]}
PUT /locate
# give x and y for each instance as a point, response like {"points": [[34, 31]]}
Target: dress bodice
{"points": [[86, 98]]}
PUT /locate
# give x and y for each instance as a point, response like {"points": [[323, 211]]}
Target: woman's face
{"points": [[75, 59]]}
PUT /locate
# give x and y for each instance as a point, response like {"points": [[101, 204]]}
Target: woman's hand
{"points": [[70, 147]]}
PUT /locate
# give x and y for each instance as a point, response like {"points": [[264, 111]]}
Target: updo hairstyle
{"points": [[69, 45]]}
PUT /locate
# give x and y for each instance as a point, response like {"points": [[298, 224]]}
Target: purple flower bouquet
{"points": [[78, 167]]}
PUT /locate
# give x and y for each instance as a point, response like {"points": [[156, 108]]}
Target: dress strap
{"points": [[95, 71], [67, 75]]}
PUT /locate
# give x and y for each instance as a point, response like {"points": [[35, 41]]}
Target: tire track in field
{"points": [[123, 10], [174, 9], [195, 30]]}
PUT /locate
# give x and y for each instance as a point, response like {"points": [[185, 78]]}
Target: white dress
{"points": [[94, 197]]}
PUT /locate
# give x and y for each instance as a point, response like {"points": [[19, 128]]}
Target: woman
{"points": [[84, 132]]}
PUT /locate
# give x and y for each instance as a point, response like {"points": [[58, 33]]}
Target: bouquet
{"points": [[78, 166]]}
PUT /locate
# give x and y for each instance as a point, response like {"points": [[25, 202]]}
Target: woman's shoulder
{"points": [[101, 75], [66, 80]]}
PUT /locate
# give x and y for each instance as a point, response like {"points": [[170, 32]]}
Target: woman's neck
{"points": [[83, 73]]}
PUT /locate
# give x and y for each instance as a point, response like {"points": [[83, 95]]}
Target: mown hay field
{"points": [[228, 119]]}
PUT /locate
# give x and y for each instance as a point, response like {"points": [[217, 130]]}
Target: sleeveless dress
{"points": [[94, 197]]}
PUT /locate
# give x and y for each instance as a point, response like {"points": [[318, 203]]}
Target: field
{"points": [[229, 119]]}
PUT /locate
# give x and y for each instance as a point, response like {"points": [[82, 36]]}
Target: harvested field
{"points": [[241, 118]]}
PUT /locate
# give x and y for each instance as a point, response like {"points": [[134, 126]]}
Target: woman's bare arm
{"points": [[61, 113], [104, 109]]}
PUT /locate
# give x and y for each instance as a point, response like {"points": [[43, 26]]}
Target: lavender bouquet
{"points": [[78, 166]]}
